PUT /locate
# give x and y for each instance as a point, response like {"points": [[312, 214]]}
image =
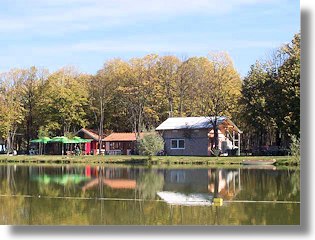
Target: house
{"points": [[91, 147], [121, 143], [199, 187], [194, 136], [2, 145]]}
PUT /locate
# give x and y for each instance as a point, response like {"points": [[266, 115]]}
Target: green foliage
{"points": [[11, 109], [151, 144], [43, 132], [295, 148], [130, 95], [270, 102], [62, 102], [148, 184]]}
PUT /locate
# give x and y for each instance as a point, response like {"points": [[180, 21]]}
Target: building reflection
{"points": [[200, 186], [224, 183], [190, 184]]}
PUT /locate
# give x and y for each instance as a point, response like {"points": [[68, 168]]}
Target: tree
{"points": [[137, 90], [11, 108], [32, 79], [254, 104], [102, 90], [151, 144], [167, 68], [271, 98], [287, 84], [220, 90], [185, 79], [63, 99]]}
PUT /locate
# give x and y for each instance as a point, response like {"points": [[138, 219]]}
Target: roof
{"points": [[188, 122], [194, 199], [91, 133], [121, 183], [121, 137], [112, 183]]}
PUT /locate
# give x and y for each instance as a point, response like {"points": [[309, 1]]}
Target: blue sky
{"points": [[86, 33]]}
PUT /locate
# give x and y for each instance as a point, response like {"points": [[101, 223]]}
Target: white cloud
{"points": [[151, 44], [77, 15]]}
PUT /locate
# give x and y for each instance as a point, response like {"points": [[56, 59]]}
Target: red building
{"points": [[121, 143], [91, 147]]}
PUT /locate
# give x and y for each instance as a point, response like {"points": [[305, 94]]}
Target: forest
{"points": [[140, 93]]}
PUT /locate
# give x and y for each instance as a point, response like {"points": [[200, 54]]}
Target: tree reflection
{"points": [[20, 202], [148, 184]]}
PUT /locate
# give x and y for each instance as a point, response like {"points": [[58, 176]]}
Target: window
{"points": [[178, 176], [177, 144]]}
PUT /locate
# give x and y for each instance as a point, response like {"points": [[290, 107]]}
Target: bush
{"points": [[151, 144], [295, 148], [148, 184]]}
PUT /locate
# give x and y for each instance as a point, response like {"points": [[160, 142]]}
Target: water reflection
{"points": [[146, 196]]}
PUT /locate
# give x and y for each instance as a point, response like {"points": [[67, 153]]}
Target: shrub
{"points": [[295, 148], [151, 144], [148, 184]]}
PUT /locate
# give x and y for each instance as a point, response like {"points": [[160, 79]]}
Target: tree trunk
{"points": [[170, 107], [8, 143], [181, 105], [100, 132], [216, 134]]}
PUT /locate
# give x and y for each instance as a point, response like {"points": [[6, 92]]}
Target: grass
{"points": [[141, 160]]}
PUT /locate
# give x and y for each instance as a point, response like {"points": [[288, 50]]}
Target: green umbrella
{"points": [[60, 139], [77, 140], [81, 140], [64, 140], [40, 140], [71, 178]]}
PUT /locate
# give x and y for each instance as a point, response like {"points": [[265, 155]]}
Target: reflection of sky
{"points": [[125, 183], [196, 199]]}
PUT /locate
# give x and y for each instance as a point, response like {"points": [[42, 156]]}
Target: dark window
{"points": [[174, 143], [181, 143], [177, 144]]}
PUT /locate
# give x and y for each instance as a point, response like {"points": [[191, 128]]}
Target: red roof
{"points": [[121, 137], [120, 183]]}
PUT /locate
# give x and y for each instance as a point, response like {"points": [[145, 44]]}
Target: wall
{"points": [[196, 142]]}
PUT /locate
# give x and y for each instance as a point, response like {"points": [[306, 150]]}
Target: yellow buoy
{"points": [[217, 201]]}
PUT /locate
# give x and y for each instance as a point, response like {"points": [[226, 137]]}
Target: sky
{"points": [[86, 33]]}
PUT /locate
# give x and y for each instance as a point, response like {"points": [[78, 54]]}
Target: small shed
{"points": [[194, 136], [121, 143], [92, 147]]}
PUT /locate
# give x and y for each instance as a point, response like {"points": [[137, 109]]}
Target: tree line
{"points": [[140, 93], [271, 98]]}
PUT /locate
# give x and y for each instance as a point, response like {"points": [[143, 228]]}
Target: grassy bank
{"points": [[135, 159]]}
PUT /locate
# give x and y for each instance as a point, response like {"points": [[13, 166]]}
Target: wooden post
{"points": [[233, 139], [238, 153]]}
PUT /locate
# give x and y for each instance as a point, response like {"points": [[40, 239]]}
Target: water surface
{"points": [[108, 195]]}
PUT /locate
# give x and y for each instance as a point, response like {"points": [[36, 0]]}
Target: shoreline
{"points": [[142, 160]]}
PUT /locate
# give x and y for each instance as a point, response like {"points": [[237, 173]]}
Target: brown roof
{"points": [[92, 133], [120, 137], [121, 183], [113, 183]]}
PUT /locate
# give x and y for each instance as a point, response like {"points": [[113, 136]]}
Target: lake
{"points": [[136, 195]]}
